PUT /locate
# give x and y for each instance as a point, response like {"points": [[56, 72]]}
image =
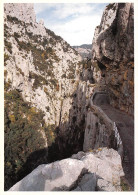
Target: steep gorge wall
{"points": [[113, 73], [113, 54], [38, 63], [41, 73], [48, 74]]}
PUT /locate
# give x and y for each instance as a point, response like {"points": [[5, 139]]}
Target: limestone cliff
{"points": [[113, 94], [113, 54], [57, 105], [84, 50], [41, 65], [77, 174], [41, 73], [24, 12]]}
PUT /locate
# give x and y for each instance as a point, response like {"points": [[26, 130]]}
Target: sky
{"points": [[75, 23]]}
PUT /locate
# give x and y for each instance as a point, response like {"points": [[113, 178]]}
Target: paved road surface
{"points": [[125, 125]]}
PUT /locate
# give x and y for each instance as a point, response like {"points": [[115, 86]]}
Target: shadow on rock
{"points": [[69, 138]]}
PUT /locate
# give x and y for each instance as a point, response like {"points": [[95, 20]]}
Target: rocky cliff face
{"points": [[41, 80], [113, 54], [24, 12], [84, 50], [41, 65], [57, 105], [113, 73], [76, 174]]}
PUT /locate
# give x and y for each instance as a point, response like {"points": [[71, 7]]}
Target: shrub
{"points": [[53, 82], [124, 184], [20, 71], [110, 6], [45, 89], [95, 65], [7, 85], [13, 19], [57, 87], [38, 80], [16, 35], [22, 137], [50, 133], [6, 57], [8, 46], [45, 42], [6, 33], [64, 76], [5, 73]]}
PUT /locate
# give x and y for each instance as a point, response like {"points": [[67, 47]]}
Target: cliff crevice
{"points": [[57, 105]]}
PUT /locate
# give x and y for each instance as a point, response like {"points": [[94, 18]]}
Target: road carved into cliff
{"points": [[125, 125]]}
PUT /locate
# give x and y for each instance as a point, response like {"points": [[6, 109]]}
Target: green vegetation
{"points": [[20, 71], [7, 85], [71, 71], [38, 80], [52, 34], [66, 48], [124, 185], [110, 6], [36, 38], [95, 65], [83, 63], [5, 73], [16, 35], [8, 46], [12, 19], [23, 139], [6, 33], [71, 75], [86, 65], [42, 59], [21, 134], [50, 133], [53, 83], [64, 76], [6, 57]]}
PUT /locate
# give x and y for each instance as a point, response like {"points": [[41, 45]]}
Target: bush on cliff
{"points": [[24, 143]]}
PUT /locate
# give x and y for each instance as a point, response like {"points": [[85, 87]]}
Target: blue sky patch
{"points": [[73, 22]]}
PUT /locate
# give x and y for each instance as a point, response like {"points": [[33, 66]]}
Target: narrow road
{"points": [[125, 125]]}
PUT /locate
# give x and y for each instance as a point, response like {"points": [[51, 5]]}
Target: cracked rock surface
{"points": [[100, 169]]}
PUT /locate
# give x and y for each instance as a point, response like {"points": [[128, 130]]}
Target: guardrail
{"points": [[105, 117]]}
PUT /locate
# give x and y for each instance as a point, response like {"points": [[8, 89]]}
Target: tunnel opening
{"points": [[101, 98]]}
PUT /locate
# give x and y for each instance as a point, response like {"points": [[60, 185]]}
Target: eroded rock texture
{"points": [[113, 54], [43, 73], [98, 170]]}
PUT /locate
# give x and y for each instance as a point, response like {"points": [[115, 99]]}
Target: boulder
{"points": [[58, 176], [97, 170]]}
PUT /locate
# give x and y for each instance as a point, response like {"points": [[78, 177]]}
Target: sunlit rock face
{"points": [[40, 64], [41, 74], [24, 12], [84, 50], [50, 109], [82, 172], [113, 53]]}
